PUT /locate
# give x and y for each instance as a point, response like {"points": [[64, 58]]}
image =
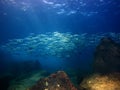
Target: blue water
{"points": [[20, 18]]}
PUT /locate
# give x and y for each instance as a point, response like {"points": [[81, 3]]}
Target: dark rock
{"points": [[5, 81], [57, 81], [107, 56]]}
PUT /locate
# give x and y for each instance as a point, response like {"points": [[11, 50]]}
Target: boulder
{"points": [[101, 82], [56, 81], [107, 56]]}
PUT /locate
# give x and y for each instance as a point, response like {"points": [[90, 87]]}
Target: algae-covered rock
{"points": [[101, 82], [56, 81], [107, 56]]}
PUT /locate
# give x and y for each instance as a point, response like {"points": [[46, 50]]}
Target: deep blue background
{"points": [[15, 23]]}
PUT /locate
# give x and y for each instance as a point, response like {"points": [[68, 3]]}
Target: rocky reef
{"points": [[56, 81], [106, 73], [101, 82], [107, 56]]}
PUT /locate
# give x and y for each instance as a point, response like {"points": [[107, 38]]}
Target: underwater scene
{"points": [[59, 44]]}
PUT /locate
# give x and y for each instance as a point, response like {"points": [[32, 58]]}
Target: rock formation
{"points": [[101, 82], [107, 56], [56, 81]]}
